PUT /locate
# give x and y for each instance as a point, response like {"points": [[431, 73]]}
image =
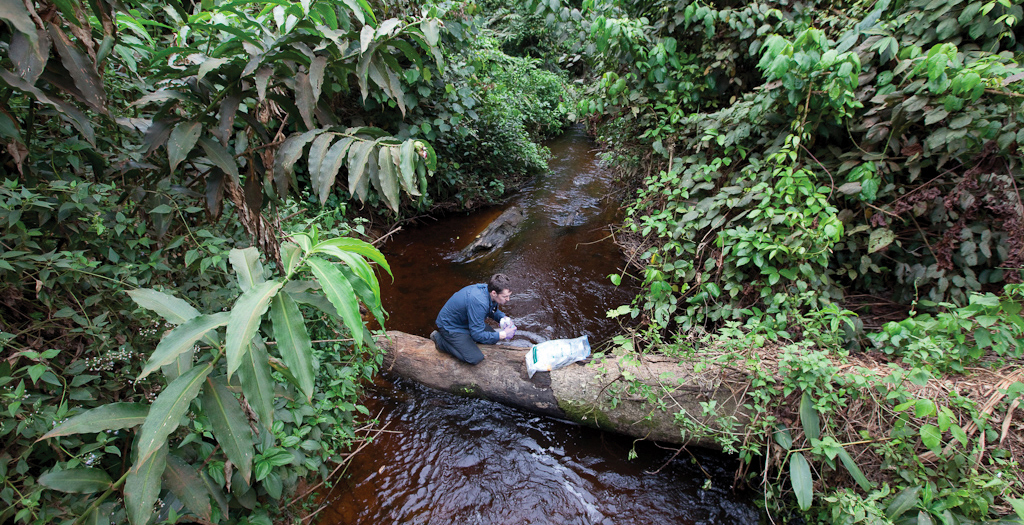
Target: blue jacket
{"points": [[465, 312]]}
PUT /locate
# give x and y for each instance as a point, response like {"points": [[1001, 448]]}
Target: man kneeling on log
{"points": [[461, 325]]}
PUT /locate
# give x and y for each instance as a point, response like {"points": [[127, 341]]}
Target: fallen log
{"points": [[604, 393]]}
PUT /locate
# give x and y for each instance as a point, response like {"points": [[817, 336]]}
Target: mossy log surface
{"points": [[598, 393]]}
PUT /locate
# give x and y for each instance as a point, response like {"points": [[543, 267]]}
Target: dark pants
{"points": [[461, 346]]}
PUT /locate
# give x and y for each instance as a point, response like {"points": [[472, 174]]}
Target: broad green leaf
{"points": [[1018, 506], [809, 417], [181, 339], [181, 142], [168, 409], [365, 38], [924, 408], [247, 266], [77, 481], [245, 319], [114, 416], [931, 437], [783, 437], [323, 182], [358, 178], [854, 470], [220, 157], [341, 295], [800, 476], [185, 482], [431, 31], [293, 342], [230, 426], [355, 9], [291, 255], [180, 365], [257, 383], [142, 487], [902, 502]]}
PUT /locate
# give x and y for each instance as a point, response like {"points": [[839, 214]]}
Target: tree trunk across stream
{"points": [[603, 393]]}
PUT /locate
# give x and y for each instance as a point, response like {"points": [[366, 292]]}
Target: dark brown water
{"points": [[447, 459]]}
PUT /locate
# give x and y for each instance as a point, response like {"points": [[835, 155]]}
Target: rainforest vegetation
{"points": [[819, 197]]}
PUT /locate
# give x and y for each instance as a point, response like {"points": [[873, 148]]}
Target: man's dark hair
{"points": [[498, 283]]}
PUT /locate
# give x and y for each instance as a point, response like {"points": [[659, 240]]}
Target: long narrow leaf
{"points": [[173, 309], [184, 482], [293, 342], [245, 319], [304, 99], [407, 163], [289, 153], [358, 177], [902, 502], [183, 338], [142, 487], [800, 476], [316, 158], [167, 410], [114, 416], [854, 470], [77, 481], [257, 383], [356, 246], [247, 266], [220, 157], [341, 295], [809, 417], [230, 426], [180, 365]]}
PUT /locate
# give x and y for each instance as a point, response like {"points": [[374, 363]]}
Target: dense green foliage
{"points": [[807, 171], [146, 357]]}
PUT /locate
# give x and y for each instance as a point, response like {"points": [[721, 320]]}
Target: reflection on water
{"points": [[471, 461], [456, 460]]}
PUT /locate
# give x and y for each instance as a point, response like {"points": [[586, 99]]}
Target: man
{"points": [[460, 325]]}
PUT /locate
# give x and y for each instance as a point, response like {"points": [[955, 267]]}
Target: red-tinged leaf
{"points": [[77, 481], [142, 487], [183, 138], [388, 176], [81, 69], [168, 409], [329, 168], [14, 13], [358, 178], [289, 153], [293, 343], [304, 99], [29, 52], [184, 481], [114, 416], [407, 162], [220, 157], [75, 117], [341, 295], [230, 426], [245, 319], [183, 338], [228, 108]]}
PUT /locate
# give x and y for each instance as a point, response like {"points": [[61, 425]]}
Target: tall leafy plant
{"points": [[224, 366]]}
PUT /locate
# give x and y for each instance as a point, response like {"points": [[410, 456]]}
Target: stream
{"points": [[447, 459]]}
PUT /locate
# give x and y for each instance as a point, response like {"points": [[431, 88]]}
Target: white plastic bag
{"points": [[554, 354]]}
